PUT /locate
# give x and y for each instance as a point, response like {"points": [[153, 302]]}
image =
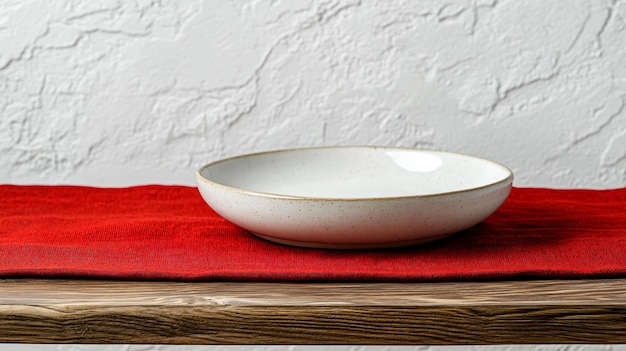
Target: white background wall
{"points": [[121, 92]]}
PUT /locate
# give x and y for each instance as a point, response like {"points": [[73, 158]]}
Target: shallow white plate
{"points": [[354, 197]]}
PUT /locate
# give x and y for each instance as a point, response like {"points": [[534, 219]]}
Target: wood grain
{"points": [[511, 312]]}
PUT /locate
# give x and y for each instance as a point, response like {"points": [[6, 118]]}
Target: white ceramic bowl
{"points": [[354, 197]]}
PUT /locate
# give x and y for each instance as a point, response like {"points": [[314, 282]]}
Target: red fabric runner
{"points": [[168, 232]]}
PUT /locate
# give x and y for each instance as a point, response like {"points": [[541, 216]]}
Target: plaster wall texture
{"points": [[120, 92]]}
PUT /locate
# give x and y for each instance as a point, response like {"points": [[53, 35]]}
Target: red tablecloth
{"points": [[168, 232]]}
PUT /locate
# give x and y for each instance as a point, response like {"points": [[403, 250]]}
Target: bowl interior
{"points": [[355, 172]]}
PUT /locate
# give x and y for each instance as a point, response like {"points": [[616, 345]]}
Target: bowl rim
{"points": [[199, 177]]}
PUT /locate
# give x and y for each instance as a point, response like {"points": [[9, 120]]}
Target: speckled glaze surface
{"points": [[354, 197]]}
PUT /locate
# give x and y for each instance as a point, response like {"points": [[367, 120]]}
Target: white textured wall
{"points": [[116, 92]]}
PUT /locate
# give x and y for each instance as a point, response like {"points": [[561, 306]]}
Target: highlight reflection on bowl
{"points": [[414, 161]]}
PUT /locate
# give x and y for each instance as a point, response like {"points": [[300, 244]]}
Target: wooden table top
{"points": [[505, 312]]}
